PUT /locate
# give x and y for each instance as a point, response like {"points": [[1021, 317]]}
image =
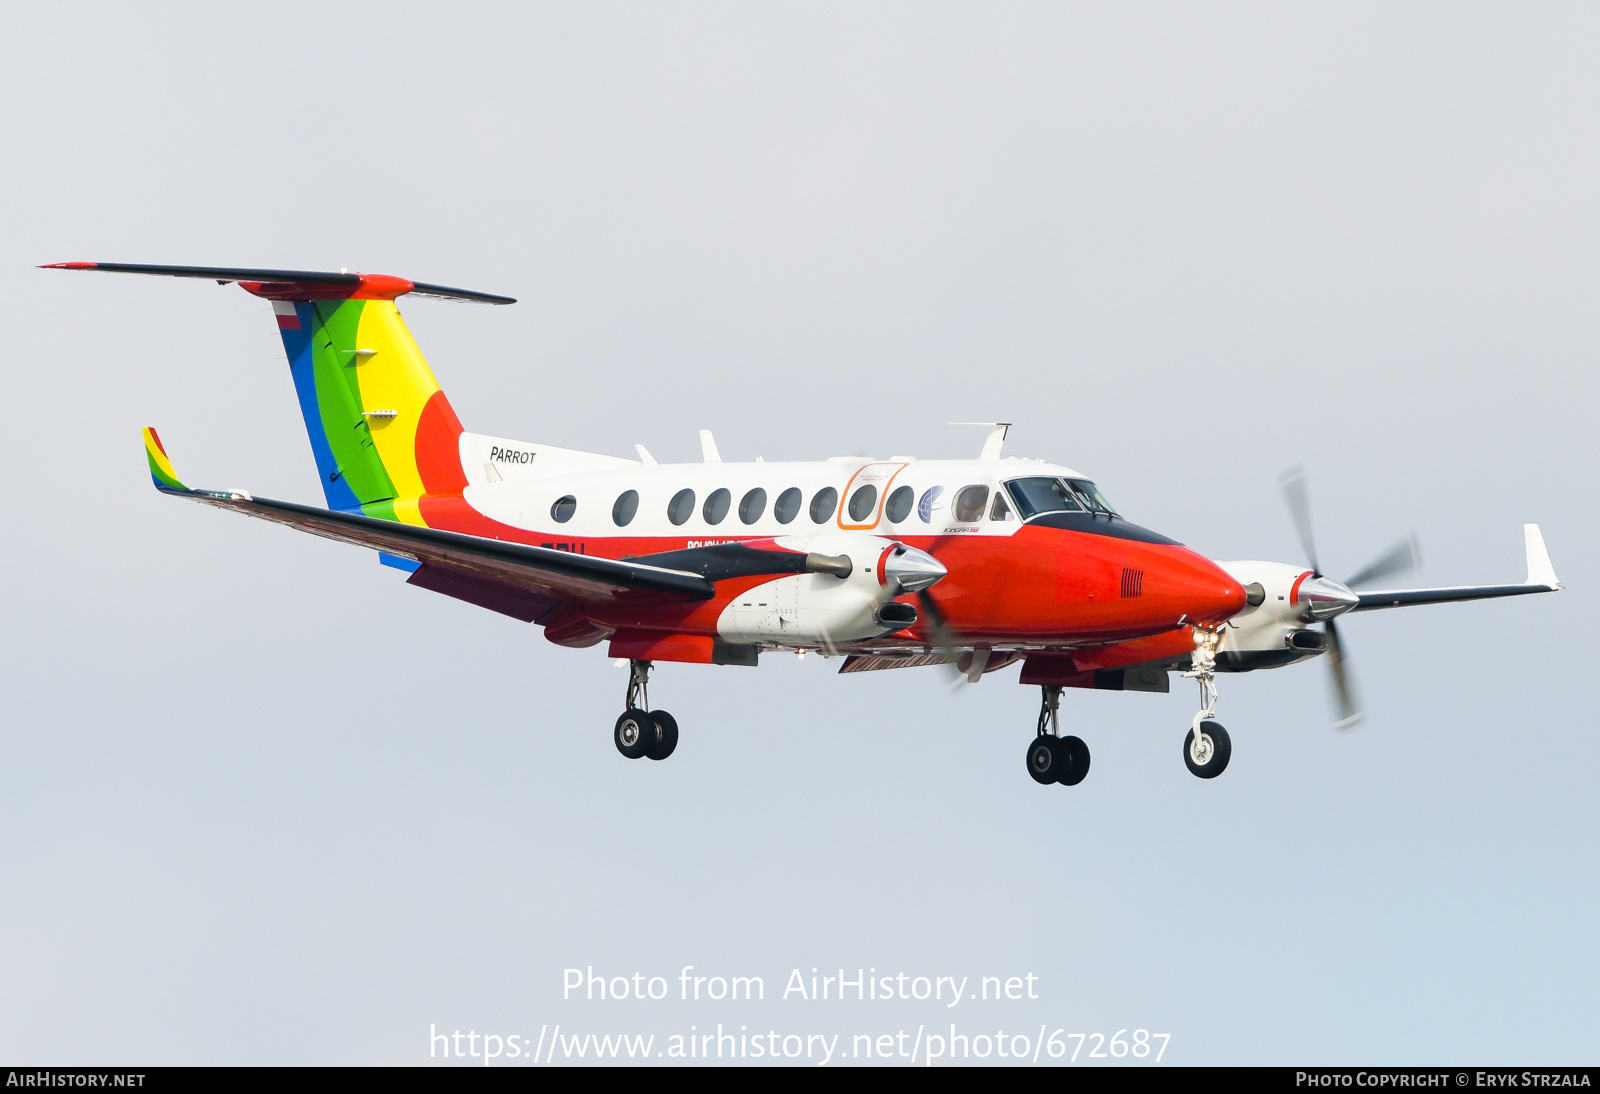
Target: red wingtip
{"points": [[69, 266]]}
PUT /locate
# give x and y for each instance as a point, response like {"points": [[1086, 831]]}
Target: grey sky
{"points": [[265, 804]]}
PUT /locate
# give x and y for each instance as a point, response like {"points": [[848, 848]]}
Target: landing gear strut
{"points": [[639, 731], [1207, 749], [1053, 758]]}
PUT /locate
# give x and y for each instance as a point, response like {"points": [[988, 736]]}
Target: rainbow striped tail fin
{"points": [[166, 479], [385, 439]]}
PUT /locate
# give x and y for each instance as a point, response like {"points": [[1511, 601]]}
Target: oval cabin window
{"points": [[627, 505], [862, 502], [898, 507], [823, 505], [753, 505], [681, 506], [562, 510], [788, 506], [716, 506]]}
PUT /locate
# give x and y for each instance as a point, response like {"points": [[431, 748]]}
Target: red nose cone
{"points": [[1219, 597], [1200, 590]]}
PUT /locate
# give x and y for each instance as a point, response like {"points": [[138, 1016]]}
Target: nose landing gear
{"points": [[1051, 757], [1207, 749], [641, 732]]}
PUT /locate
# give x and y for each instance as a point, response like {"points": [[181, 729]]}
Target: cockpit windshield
{"points": [[1050, 495], [1042, 495], [1092, 497]]}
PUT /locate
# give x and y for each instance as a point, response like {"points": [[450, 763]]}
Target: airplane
{"points": [[886, 564]]}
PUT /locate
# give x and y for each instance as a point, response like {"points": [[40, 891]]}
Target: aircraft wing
{"points": [[489, 563], [1541, 579]]}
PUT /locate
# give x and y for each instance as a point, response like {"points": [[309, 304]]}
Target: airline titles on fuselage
{"points": [[510, 455]]}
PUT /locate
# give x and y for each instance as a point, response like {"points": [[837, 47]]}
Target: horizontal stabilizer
{"points": [[1541, 579], [295, 284]]}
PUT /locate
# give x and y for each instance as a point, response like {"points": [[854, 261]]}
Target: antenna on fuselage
{"points": [[708, 448], [994, 441]]}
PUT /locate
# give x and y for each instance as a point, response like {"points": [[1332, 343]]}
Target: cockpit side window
{"points": [[999, 510], [969, 504], [1092, 497], [1033, 496]]}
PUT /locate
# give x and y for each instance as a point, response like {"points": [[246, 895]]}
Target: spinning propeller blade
{"points": [[943, 637], [1402, 558], [1293, 485], [1344, 698], [1406, 555]]}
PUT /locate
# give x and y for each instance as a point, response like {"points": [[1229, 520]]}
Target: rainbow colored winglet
{"points": [[166, 479]]}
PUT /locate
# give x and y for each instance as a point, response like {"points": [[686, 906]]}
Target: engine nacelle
{"points": [[826, 608], [1274, 629]]}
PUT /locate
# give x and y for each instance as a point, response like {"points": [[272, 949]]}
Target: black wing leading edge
{"points": [[1541, 579], [536, 570]]}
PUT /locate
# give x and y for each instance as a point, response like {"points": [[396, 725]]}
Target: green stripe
{"points": [[339, 398], [160, 476]]}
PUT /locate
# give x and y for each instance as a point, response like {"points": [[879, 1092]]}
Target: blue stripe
{"points": [[297, 344], [408, 565]]}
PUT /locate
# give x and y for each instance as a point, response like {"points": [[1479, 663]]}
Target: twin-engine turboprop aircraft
{"points": [[886, 563]]}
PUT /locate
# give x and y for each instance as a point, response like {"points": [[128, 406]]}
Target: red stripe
{"points": [[1294, 592]]}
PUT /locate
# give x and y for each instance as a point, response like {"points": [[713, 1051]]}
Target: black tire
{"points": [[1046, 760], [1221, 751], [634, 734], [666, 735], [1075, 755]]}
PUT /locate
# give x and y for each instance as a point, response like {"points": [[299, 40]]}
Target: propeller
{"points": [[1403, 556], [950, 643], [1347, 710], [1293, 485]]}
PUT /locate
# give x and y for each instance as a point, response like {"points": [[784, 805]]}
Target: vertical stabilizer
{"points": [[382, 432], [384, 436]]}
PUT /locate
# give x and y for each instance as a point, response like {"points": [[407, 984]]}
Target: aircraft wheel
{"points": [[1207, 756], [666, 735], [1046, 759], [635, 733], [1076, 756]]}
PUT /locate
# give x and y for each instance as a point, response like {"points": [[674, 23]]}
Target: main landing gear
{"points": [[652, 733], [1053, 758], [1207, 749]]}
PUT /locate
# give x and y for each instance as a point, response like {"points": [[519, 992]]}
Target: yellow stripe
{"points": [[158, 457], [396, 378]]}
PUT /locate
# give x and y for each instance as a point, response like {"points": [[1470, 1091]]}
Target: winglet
{"points": [[166, 479], [1540, 571]]}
